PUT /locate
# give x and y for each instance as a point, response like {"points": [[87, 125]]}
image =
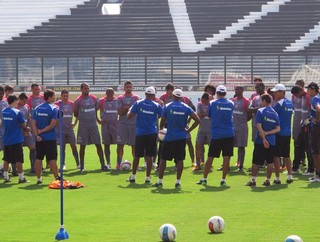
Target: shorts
{"points": [[88, 135], [217, 145], [126, 134], [241, 135], [13, 153], [261, 154], [203, 138], [283, 146], [109, 133], [29, 140], [46, 148], [315, 140], [68, 137], [174, 150], [146, 145]]}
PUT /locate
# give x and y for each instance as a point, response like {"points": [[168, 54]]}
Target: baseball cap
{"points": [[278, 87], [222, 89], [150, 90], [177, 92]]}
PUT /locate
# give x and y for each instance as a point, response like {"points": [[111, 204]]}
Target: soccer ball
{"points": [[167, 232], [293, 238], [125, 165], [162, 134], [216, 224]]}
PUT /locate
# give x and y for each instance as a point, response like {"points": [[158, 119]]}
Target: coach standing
{"points": [[222, 134], [175, 114], [44, 120], [147, 112]]}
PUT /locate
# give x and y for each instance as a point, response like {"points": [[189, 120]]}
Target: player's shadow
{"points": [[7, 185], [165, 191], [268, 188], [312, 185], [207, 188], [136, 186], [34, 186]]}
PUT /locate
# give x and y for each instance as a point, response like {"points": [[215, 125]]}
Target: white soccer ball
{"points": [[167, 232], [162, 134], [293, 238], [125, 165], [216, 224]]}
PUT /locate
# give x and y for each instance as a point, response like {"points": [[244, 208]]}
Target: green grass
{"points": [[110, 209]]}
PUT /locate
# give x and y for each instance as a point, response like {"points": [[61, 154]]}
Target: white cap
{"points": [[278, 87], [222, 89], [150, 90], [177, 93]]}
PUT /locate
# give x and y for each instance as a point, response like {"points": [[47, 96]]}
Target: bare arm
{"points": [[196, 122], [52, 125], [162, 122]]}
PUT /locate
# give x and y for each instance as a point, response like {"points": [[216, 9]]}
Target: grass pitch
{"points": [[111, 209]]}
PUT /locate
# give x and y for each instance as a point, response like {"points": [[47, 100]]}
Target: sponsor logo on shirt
{"points": [[42, 114], [7, 118], [224, 109], [269, 120]]}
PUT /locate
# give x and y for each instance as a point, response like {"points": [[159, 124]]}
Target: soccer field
{"points": [[111, 209]]}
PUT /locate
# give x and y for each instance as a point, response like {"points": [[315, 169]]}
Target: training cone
{"points": [[62, 234]]}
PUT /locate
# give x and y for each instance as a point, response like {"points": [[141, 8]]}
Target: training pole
{"points": [[62, 234]]}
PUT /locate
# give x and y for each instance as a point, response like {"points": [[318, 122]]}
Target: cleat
{"points": [[105, 168], [6, 180], [289, 181], [157, 185], [118, 167], [219, 169], [64, 168], [251, 183], [308, 173], [39, 181], [177, 185], [277, 182], [78, 167], [196, 168], [24, 180], [109, 166], [316, 179], [223, 183], [240, 170], [139, 168], [266, 183], [202, 182], [147, 181], [131, 180]]}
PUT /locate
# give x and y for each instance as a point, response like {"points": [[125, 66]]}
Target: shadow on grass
{"points": [[34, 186], [207, 188], [83, 173], [311, 185], [166, 191], [269, 188], [136, 186], [7, 185]]}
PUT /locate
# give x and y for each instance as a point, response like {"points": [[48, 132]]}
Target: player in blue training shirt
{"points": [[222, 134], [176, 115], [284, 108], [44, 120], [147, 112], [268, 124], [13, 123]]}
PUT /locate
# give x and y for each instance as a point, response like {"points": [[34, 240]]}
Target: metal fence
{"points": [[180, 70]]}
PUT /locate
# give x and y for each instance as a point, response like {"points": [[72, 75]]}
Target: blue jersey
{"points": [[148, 113], [284, 108], [315, 102], [43, 114], [177, 114], [12, 118], [221, 112], [269, 119]]}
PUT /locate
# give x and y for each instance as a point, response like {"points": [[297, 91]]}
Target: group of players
{"points": [[128, 120]]}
